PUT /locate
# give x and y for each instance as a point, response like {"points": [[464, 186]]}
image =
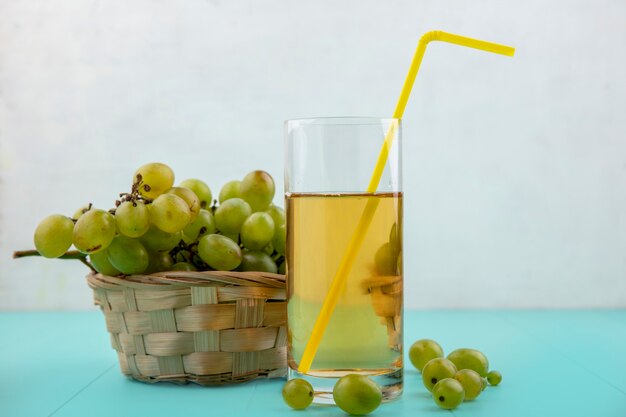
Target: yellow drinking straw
{"points": [[368, 213]]}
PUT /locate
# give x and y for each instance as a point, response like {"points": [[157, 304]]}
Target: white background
{"points": [[515, 168]]}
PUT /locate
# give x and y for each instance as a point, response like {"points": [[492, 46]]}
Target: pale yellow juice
{"points": [[365, 330]]}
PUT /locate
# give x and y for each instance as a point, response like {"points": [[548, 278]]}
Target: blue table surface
{"points": [[554, 363]]}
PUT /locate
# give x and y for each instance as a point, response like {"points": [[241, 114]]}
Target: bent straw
{"points": [[368, 213]]}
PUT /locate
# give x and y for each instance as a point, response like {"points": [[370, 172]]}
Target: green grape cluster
{"points": [[159, 227], [461, 376]]}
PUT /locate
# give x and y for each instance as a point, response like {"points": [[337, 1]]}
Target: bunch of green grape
{"points": [[461, 376], [160, 227]]}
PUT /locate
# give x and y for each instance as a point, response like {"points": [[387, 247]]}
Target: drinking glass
{"points": [[329, 162]]}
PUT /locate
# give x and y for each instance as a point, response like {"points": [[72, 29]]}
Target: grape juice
{"points": [[364, 334]]}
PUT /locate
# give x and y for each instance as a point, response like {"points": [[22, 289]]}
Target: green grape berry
{"points": [[82, 210], [170, 213], [154, 179], [279, 240], [357, 394], [204, 224], [157, 240], [282, 268], [423, 351], [257, 188], [159, 261], [277, 213], [257, 261], [100, 261], [230, 190], [448, 393], [200, 189], [94, 231], [128, 255], [470, 359], [132, 218], [435, 370], [219, 252], [231, 214], [190, 198], [471, 381], [53, 235], [298, 394], [257, 231], [494, 378]]}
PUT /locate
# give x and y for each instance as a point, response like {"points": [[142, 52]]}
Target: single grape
{"points": [[423, 351], [204, 224], [184, 266], [219, 252], [100, 261], [94, 231], [170, 213], [230, 190], [257, 231], [257, 261], [386, 260], [231, 214], [159, 261], [298, 394], [435, 370], [471, 381], [132, 218], [128, 255], [257, 188], [190, 198], [277, 213], [53, 235], [357, 394], [157, 240], [154, 179], [470, 359], [494, 378], [282, 268], [448, 393], [279, 239], [79, 212], [200, 189]]}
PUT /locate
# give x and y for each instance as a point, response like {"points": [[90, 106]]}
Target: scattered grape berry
{"points": [[357, 394], [422, 351], [494, 378], [448, 393], [298, 394], [436, 370]]}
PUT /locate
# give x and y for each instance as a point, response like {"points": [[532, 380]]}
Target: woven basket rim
{"points": [[167, 279]]}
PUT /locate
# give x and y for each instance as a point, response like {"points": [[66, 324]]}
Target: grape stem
{"points": [[73, 254]]}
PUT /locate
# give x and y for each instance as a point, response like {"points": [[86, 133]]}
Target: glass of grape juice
{"points": [[329, 164]]}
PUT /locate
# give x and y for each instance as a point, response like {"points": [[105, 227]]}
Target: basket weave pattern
{"points": [[208, 327]]}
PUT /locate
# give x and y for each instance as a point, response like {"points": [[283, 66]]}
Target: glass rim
{"points": [[341, 120]]}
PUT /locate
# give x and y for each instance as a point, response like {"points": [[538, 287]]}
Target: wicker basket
{"points": [[207, 327]]}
